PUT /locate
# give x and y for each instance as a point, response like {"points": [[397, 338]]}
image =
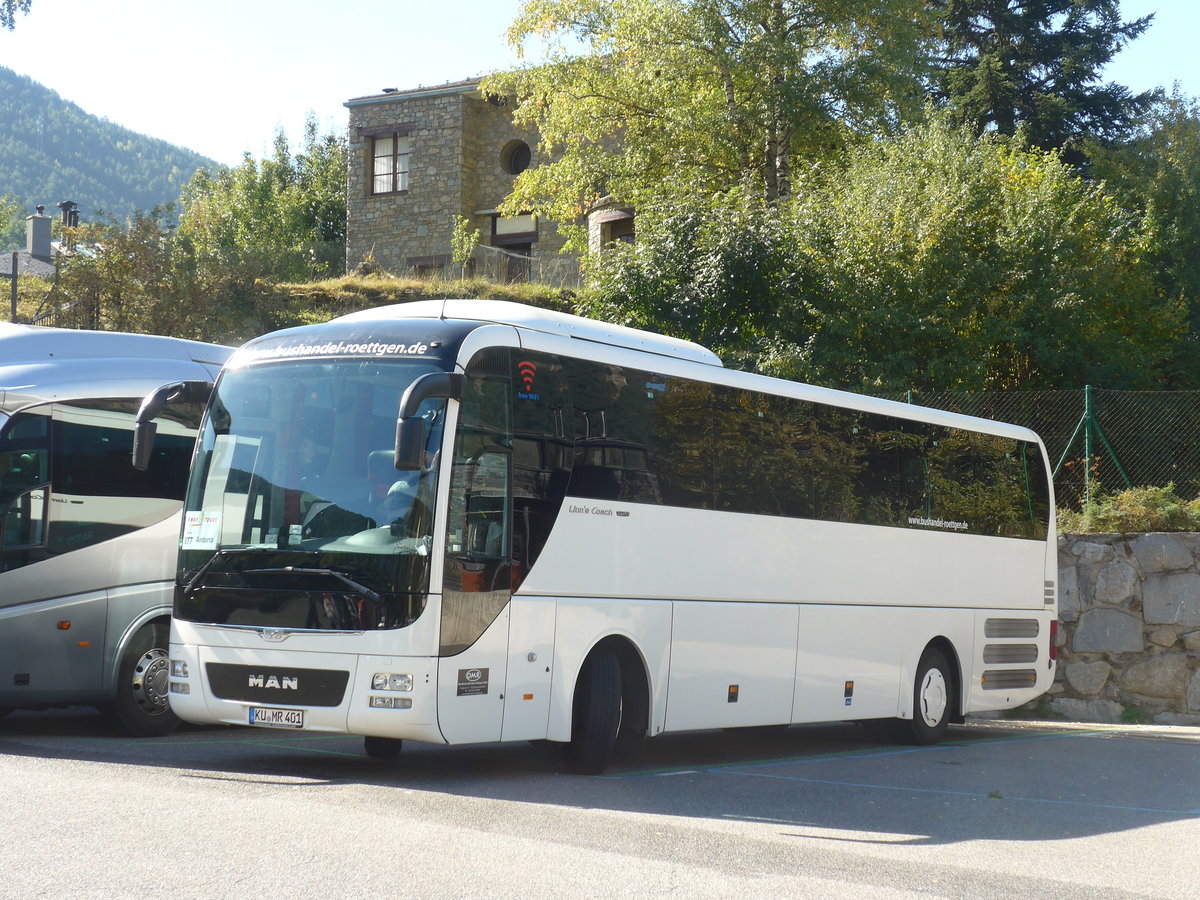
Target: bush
{"points": [[1137, 509]]}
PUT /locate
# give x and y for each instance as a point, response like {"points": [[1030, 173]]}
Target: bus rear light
{"points": [[1054, 639]]}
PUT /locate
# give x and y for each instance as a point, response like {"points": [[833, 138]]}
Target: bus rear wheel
{"points": [[382, 747], [596, 714], [933, 699], [141, 707]]}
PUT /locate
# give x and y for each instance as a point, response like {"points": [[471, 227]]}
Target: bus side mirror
{"points": [[143, 443], [410, 444], [144, 426], [410, 427]]}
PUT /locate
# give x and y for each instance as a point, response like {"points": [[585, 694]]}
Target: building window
{"points": [[390, 155], [515, 157]]}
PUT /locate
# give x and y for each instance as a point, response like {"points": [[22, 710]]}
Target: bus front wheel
{"points": [[382, 748], [596, 714], [140, 707]]}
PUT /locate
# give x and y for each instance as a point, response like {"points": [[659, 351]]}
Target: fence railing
{"points": [[504, 266], [1097, 438]]}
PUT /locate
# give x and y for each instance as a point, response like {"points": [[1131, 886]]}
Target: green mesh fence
{"points": [[1132, 438]]}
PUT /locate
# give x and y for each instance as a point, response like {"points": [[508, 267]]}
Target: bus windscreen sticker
{"points": [[472, 682], [201, 530]]}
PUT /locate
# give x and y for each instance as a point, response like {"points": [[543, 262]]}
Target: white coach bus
{"points": [[469, 521], [88, 545]]}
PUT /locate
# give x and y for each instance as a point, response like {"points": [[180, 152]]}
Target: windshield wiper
{"points": [[224, 551], [340, 576]]}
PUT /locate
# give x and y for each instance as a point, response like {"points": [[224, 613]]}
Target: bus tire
{"points": [[141, 707], [933, 699], [382, 747], [596, 714]]}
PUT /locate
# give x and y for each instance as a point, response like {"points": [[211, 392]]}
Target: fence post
{"points": [[1088, 419], [1090, 427], [15, 258]]}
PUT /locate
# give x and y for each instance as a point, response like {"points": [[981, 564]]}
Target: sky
{"points": [[222, 76]]}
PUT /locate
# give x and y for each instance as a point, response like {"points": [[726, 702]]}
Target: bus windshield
{"points": [[296, 517]]}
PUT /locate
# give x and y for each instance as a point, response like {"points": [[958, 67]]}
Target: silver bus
{"points": [[88, 543]]}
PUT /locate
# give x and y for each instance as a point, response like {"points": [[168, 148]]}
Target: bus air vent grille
{"points": [[1011, 628], [999, 654], [1007, 679]]}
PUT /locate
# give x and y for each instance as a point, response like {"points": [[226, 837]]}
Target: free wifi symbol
{"points": [[527, 371]]}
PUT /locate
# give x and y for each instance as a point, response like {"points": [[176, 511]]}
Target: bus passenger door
{"points": [[477, 579], [475, 598]]}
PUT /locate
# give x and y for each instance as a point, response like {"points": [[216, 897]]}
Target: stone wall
{"points": [[1129, 633]]}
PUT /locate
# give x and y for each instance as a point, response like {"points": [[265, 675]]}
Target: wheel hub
{"points": [[150, 683], [933, 698]]}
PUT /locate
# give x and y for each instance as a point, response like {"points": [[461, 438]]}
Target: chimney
{"points": [[37, 234], [70, 213]]}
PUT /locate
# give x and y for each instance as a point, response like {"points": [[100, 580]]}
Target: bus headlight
{"points": [[390, 681], [179, 668]]}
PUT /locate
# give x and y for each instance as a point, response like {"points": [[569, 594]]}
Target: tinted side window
{"points": [[986, 485], [647, 438], [24, 473], [542, 453], [98, 495], [640, 437]]}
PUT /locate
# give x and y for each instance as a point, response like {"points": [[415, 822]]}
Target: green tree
{"points": [[940, 260], [699, 95], [283, 217], [139, 276], [1156, 173], [11, 233], [717, 273], [463, 241], [1010, 63], [9, 10]]}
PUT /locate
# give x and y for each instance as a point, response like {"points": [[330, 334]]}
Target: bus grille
{"points": [[277, 685]]}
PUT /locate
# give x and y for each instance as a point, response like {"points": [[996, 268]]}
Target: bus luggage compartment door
{"points": [[530, 665], [732, 664]]}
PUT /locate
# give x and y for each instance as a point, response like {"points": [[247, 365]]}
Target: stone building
{"points": [[420, 158]]}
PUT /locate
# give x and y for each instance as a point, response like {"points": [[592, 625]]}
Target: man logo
{"points": [[275, 682]]}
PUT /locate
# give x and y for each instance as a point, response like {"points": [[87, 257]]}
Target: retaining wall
{"points": [[1129, 633]]}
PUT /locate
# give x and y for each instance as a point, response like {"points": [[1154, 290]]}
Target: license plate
{"points": [[273, 717]]}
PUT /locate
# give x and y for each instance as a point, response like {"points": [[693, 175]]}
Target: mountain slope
{"points": [[51, 150]]}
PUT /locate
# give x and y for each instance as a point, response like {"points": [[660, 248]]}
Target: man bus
{"points": [[513, 524]]}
